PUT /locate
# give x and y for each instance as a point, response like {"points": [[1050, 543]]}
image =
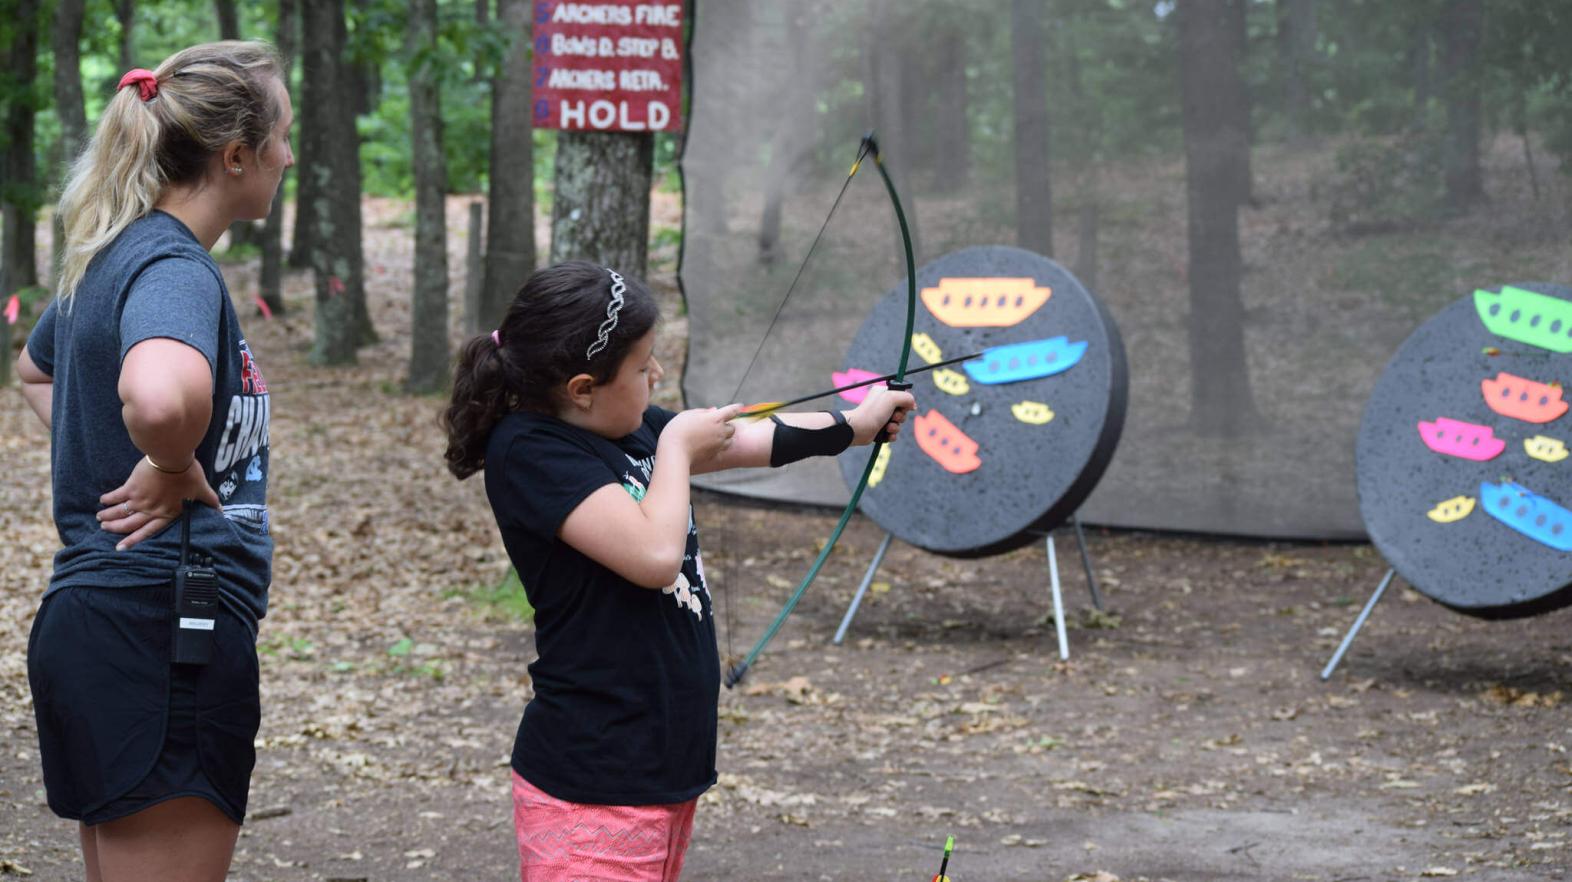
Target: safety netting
{"points": [[1329, 142]]}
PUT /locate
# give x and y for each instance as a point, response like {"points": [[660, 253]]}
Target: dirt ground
{"points": [[1187, 738]]}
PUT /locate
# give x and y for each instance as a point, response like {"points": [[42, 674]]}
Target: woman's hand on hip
{"points": [[150, 500]]}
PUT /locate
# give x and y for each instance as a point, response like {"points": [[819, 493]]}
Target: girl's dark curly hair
{"points": [[544, 336]]}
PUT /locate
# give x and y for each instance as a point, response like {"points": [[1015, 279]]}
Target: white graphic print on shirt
{"points": [[242, 454], [685, 591]]}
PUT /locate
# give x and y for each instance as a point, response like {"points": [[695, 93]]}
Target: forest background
{"points": [[1183, 742]]}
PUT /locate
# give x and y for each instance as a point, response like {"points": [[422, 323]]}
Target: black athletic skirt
{"points": [[120, 729]]}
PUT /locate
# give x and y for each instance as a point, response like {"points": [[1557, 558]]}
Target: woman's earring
{"points": [[236, 170]]}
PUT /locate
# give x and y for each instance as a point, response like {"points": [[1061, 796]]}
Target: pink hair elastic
{"points": [[496, 337], [146, 83]]}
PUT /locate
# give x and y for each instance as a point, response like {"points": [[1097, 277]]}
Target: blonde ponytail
{"points": [[206, 97]]}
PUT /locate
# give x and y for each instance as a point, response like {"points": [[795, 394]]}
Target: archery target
{"points": [[1464, 482], [1005, 446]]}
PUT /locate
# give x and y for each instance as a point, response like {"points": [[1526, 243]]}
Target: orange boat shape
{"points": [[1523, 399], [985, 302], [946, 444]]}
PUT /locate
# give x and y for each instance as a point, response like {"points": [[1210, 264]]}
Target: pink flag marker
{"points": [[13, 309]]}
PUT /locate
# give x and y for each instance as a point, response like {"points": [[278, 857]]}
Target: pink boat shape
{"points": [[1460, 439], [850, 376]]}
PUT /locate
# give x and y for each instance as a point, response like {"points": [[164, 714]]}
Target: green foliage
{"points": [[1110, 92], [1386, 183], [505, 600]]}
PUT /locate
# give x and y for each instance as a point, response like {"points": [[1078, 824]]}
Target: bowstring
{"points": [[863, 150]]}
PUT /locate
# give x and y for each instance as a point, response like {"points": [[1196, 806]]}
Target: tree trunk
{"points": [[228, 19], [125, 12], [428, 354], [1462, 26], [1420, 52], [271, 276], [1085, 129], [794, 134], [1221, 400], [1033, 188], [242, 232], [66, 43], [305, 184], [510, 227], [601, 208], [335, 246], [20, 196], [952, 143], [884, 82], [1296, 48], [1237, 102]]}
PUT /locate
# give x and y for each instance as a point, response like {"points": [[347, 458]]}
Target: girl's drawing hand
{"points": [[704, 432], [881, 409]]}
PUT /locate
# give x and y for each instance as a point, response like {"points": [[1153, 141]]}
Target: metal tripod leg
{"points": [[867, 579], [1058, 601], [1086, 561], [1348, 640]]}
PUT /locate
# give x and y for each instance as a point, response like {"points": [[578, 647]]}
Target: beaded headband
{"points": [[603, 335]]}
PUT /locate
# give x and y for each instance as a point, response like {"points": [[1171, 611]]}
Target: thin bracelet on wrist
{"points": [[159, 468]]}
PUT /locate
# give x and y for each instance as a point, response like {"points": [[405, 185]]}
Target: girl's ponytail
{"points": [[545, 339], [482, 384]]}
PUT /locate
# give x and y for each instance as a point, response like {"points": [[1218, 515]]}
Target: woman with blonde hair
{"points": [[144, 685]]}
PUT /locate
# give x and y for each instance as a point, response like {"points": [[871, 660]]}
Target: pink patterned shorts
{"points": [[572, 842]]}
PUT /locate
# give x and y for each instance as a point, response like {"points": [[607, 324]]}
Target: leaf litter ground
{"points": [[1188, 738]]}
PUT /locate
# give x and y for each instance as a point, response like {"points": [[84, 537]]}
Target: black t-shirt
{"points": [[626, 684]]}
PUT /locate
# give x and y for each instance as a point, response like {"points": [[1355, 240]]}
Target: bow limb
{"points": [[735, 674]]}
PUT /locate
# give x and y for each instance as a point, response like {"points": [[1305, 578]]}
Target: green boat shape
{"points": [[1527, 317]]}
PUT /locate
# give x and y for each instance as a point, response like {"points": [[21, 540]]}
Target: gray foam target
{"points": [[1007, 446], [1465, 485]]}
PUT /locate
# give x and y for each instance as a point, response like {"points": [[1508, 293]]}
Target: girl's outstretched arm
{"points": [[755, 441], [644, 540]]}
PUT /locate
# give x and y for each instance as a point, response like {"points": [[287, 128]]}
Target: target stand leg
{"points": [[1348, 640], [1086, 562], [1058, 600], [867, 579]]}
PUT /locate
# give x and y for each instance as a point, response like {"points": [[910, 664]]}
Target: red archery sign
{"points": [[612, 66]]}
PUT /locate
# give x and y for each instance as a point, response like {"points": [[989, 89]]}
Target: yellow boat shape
{"points": [[1545, 448], [1452, 510], [926, 349], [953, 382], [879, 465], [1033, 412]]}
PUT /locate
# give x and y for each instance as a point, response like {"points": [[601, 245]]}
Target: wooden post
{"points": [[475, 267]]}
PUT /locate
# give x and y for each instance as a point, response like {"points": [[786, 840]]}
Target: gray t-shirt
{"points": [[154, 280]]}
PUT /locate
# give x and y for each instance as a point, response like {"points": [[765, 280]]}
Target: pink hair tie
{"points": [[146, 83], [496, 337]]}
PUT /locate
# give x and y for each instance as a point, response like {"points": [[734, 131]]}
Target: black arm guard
{"points": [[792, 443]]}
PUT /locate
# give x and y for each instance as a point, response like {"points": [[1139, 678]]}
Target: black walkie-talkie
{"points": [[196, 601]]}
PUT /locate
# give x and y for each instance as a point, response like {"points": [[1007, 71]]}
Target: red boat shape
{"points": [[1523, 399], [949, 446], [1460, 439]]}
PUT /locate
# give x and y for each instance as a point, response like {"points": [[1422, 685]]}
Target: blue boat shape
{"points": [[1032, 360], [1528, 513]]}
